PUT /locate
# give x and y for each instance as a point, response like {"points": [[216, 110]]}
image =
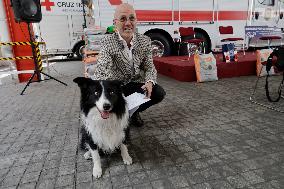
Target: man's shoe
{"points": [[136, 120]]}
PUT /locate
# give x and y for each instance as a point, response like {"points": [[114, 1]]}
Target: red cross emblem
{"points": [[47, 4]]}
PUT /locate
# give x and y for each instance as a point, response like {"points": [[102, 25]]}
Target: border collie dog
{"points": [[104, 116]]}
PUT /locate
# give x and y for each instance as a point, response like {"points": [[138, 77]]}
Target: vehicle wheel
{"points": [[79, 50], [160, 45]]}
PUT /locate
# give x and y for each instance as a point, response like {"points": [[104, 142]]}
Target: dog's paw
{"points": [[127, 160], [87, 155], [97, 172]]}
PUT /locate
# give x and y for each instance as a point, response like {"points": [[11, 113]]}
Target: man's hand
{"points": [[148, 86], [90, 59]]}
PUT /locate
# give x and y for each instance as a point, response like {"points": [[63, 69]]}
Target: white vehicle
{"points": [[161, 19], [61, 27]]}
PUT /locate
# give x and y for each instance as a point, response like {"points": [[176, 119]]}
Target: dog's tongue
{"points": [[104, 114]]}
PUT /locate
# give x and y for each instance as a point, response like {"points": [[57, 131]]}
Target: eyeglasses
{"points": [[131, 18]]}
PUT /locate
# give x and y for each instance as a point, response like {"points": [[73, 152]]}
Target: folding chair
{"points": [[269, 39], [227, 35], [189, 32]]}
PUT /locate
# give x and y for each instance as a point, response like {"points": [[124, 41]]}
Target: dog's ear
{"points": [[118, 82], [82, 81], [119, 85]]}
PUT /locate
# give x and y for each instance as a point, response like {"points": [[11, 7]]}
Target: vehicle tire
{"points": [[160, 45], [79, 50]]}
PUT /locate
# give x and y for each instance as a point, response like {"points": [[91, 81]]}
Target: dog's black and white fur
{"points": [[104, 116]]}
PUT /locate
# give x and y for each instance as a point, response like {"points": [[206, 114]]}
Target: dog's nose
{"points": [[106, 106]]}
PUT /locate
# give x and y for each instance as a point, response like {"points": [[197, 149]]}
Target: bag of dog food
{"points": [[262, 56], [205, 67]]}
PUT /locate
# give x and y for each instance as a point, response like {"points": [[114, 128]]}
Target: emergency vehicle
{"points": [[161, 19], [61, 27]]}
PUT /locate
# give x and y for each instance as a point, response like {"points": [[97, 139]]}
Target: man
{"points": [[126, 55]]}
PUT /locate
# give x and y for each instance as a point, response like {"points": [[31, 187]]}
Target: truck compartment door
{"points": [[232, 13], [55, 31]]}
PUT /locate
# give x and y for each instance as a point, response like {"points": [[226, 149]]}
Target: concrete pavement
{"points": [[202, 136]]}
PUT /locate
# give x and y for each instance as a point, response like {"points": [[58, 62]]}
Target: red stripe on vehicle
{"points": [[196, 15], [153, 15], [115, 2], [164, 15], [233, 15]]}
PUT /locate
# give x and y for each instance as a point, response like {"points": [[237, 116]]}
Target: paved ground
{"points": [[201, 136]]}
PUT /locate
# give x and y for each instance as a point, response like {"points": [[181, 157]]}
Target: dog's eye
{"points": [[111, 93], [96, 93]]}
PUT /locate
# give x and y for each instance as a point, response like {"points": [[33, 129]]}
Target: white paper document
{"points": [[134, 101]]}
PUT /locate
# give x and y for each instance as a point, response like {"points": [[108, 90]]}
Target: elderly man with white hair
{"points": [[126, 56]]}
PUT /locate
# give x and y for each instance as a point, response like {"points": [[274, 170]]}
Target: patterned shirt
{"points": [[114, 61]]}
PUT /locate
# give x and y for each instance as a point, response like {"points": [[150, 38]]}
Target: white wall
{"points": [[5, 51]]}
